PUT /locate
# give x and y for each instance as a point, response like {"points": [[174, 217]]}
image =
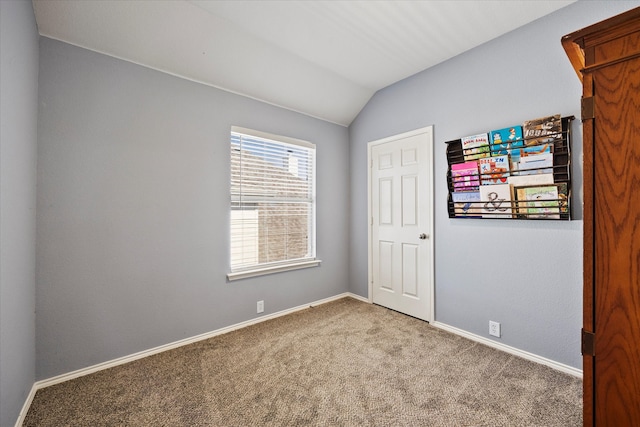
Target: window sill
{"points": [[273, 269]]}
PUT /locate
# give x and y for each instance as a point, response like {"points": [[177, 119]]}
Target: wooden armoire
{"points": [[606, 57]]}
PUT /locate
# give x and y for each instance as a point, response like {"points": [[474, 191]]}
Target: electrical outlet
{"points": [[260, 306], [494, 328]]}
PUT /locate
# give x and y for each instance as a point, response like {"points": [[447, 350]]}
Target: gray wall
{"points": [[133, 194], [525, 274], [18, 141]]}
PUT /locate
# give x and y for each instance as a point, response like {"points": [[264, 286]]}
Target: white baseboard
{"points": [[354, 296], [26, 406], [511, 350]]}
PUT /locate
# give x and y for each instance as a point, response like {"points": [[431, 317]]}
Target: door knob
{"points": [[423, 236]]}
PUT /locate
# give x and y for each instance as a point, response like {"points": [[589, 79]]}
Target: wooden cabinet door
{"points": [[607, 58], [616, 228]]}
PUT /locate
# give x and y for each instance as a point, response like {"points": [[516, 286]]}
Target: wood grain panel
{"points": [[617, 244], [617, 49]]}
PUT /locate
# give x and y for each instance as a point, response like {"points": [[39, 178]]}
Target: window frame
{"points": [[286, 265]]}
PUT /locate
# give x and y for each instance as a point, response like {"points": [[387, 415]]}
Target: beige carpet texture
{"points": [[344, 363]]}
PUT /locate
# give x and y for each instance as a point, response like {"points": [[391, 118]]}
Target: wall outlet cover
{"points": [[494, 328]]}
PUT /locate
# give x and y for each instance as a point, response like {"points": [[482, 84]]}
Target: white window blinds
{"points": [[272, 200]]}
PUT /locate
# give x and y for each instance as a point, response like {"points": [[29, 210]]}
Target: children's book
{"points": [[539, 163], [475, 146], [542, 130], [495, 201], [465, 176], [494, 170], [466, 204], [538, 201], [532, 150], [505, 140]]}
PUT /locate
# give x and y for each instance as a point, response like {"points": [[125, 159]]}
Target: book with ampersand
{"points": [[495, 201]]}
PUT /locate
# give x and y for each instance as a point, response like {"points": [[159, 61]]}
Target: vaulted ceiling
{"points": [[322, 58]]}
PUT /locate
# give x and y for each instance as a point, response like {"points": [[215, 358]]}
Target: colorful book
{"points": [[539, 163], [505, 140], [494, 170], [542, 130], [495, 201], [538, 201], [465, 176], [466, 204], [532, 150], [475, 146]]}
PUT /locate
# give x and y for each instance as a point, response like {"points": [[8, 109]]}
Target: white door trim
{"points": [[431, 241]]}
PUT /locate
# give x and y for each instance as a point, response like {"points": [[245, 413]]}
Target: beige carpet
{"points": [[345, 363]]}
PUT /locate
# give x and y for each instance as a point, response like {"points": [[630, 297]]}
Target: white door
{"points": [[401, 220]]}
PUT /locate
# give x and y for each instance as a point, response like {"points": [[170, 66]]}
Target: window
{"points": [[272, 203]]}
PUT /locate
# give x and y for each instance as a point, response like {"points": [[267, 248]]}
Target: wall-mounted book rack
{"points": [[518, 172]]}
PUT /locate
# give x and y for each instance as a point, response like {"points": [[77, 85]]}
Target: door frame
{"points": [[428, 131]]}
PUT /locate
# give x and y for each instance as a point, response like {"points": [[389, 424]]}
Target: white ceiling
{"points": [[322, 58]]}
